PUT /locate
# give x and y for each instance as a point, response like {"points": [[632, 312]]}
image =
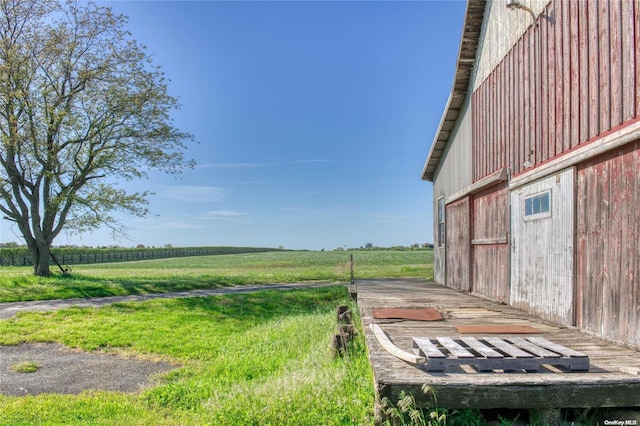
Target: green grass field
{"points": [[262, 358], [246, 359], [191, 273]]}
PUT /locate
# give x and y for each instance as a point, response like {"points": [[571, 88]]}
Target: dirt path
{"points": [[8, 310]]}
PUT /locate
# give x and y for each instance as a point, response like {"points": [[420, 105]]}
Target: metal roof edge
{"points": [[474, 15], [426, 174]]}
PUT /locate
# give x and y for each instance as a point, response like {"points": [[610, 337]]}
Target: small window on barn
{"points": [[537, 206], [441, 233]]}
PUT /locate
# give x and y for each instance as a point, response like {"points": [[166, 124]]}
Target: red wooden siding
{"points": [[567, 81], [458, 245], [490, 248], [608, 238]]}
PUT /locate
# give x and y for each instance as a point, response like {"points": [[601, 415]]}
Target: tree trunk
{"points": [[40, 258]]}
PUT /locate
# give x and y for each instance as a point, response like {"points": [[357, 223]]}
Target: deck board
{"points": [[605, 384]]}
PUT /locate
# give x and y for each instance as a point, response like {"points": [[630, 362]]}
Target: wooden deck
{"points": [[611, 381]]}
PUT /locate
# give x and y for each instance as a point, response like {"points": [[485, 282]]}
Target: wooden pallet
{"points": [[494, 353]]}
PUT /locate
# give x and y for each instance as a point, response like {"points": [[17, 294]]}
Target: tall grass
{"points": [[245, 359], [190, 273]]}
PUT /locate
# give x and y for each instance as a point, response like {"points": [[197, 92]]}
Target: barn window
{"points": [[538, 206], [441, 234]]}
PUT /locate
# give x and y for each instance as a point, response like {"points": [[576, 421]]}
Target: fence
{"points": [[73, 257]]}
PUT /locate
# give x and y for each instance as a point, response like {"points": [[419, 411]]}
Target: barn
{"points": [[536, 163]]}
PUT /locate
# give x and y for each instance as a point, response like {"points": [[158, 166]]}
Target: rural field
{"points": [[261, 358], [205, 272]]}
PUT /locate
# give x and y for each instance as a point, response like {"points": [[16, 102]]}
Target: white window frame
{"points": [[542, 213], [441, 223]]}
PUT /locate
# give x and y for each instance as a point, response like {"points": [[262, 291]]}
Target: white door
{"points": [[542, 260]]}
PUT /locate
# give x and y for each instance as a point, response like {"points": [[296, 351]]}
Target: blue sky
{"points": [[312, 120]]}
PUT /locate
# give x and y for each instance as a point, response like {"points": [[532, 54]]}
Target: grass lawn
{"points": [[191, 273], [261, 358], [245, 359]]}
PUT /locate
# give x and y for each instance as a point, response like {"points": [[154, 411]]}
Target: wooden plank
{"points": [[560, 81], [496, 329], [574, 64], [615, 61], [477, 143], [537, 94], [483, 184], [481, 348], [544, 343], [388, 346], [499, 123], [636, 49], [532, 348], [581, 248], [528, 107], [507, 348], [489, 241], [604, 66], [473, 104], [483, 143], [594, 65], [520, 111], [633, 254], [427, 347], [453, 347], [494, 124], [458, 239], [505, 118], [628, 61], [478, 393], [583, 71], [615, 240], [566, 77], [491, 125], [551, 77], [544, 91]]}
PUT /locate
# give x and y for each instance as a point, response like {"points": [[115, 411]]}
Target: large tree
{"points": [[82, 107]]}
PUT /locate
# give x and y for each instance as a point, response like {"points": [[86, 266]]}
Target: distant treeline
{"points": [[426, 246], [19, 256]]}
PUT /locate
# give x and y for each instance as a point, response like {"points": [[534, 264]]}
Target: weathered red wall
{"points": [[567, 81], [608, 240], [490, 248], [458, 245]]}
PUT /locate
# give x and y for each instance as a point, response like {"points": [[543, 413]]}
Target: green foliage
{"points": [[83, 107], [20, 256], [191, 273], [260, 358], [406, 412], [25, 367]]}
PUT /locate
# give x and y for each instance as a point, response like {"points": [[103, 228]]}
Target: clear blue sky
{"points": [[313, 121]]}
